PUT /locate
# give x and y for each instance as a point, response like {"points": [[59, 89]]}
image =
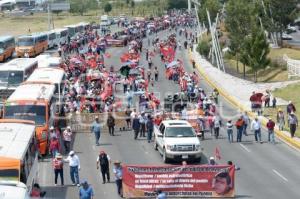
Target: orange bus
{"points": [[7, 47], [32, 44], [35, 102]]}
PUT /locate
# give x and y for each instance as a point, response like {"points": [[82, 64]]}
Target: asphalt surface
{"points": [[267, 170]]}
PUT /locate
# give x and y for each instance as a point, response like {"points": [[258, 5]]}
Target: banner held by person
{"points": [[178, 181]]}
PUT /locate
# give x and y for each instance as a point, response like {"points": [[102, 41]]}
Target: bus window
{"points": [[11, 78], [26, 42], [52, 36], [34, 113]]}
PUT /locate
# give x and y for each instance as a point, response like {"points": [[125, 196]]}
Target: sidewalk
{"points": [[238, 91]]}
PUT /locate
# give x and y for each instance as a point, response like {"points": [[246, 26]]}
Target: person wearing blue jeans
{"points": [[257, 135], [271, 136], [74, 174], [74, 164], [96, 129], [256, 127], [239, 134]]}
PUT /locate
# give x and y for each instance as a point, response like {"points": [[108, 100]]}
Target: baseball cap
{"points": [[71, 153], [58, 155], [52, 128]]}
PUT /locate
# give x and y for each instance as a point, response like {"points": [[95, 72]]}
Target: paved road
{"points": [[267, 171]]}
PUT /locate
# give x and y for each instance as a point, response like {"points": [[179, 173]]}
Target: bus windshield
{"points": [[36, 113], [11, 78], [25, 42]]}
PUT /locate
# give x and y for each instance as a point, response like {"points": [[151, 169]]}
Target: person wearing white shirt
{"points": [[256, 127], [67, 138], [74, 164]]}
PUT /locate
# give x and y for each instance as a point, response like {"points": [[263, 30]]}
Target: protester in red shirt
{"points": [[54, 146], [270, 127]]}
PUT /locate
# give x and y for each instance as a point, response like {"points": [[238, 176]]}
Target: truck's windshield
{"points": [[179, 132]]}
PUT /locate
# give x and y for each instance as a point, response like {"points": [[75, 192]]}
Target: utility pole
{"points": [[189, 6], [50, 21]]}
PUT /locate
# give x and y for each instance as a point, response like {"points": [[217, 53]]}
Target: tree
{"points": [[283, 12], [177, 4], [107, 7], [238, 23], [203, 48], [255, 50], [78, 6], [132, 5], [213, 6]]}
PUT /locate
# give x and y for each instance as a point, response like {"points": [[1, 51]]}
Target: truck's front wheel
{"points": [[165, 159]]}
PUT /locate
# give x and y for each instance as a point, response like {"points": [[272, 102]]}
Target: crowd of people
{"points": [[91, 88]]}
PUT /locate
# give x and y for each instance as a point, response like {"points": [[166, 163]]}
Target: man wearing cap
{"points": [[293, 123], [119, 176], [212, 161], [67, 138], [52, 132], [58, 166], [96, 129], [86, 191], [103, 160], [270, 127], [74, 164]]}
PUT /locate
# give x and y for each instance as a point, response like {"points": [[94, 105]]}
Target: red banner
{"points": [[178, 181]]}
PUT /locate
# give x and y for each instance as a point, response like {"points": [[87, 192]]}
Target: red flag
{"points": [[217, 153]]}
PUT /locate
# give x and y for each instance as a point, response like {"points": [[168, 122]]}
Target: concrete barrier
{"points": [[290, 141]]}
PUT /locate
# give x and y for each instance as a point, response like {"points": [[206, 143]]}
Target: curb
{"points": [[288, 140]]}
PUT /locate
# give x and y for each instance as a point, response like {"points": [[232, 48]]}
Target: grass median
{"points": [[276, 73], [289, 93]]}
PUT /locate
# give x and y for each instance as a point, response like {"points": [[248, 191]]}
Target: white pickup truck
{"points": [[177, 140]]}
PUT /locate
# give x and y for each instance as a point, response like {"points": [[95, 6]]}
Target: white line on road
{"points": [[280, 175], [244, 147]]}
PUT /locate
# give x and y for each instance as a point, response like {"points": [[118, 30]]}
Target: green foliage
{"points": [[107, 7], [213, 6], [81, 6], [177, 4], [132, 4], [203, 48], [255, 50], [238, 23]]}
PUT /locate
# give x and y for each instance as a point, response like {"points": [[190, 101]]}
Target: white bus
{"points": [[61, 35], [13, 73], [46, 60], [74, 30], [52, 39], [18, 152], [13, 190]]}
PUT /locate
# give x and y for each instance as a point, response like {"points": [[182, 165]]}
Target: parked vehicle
{"points": [[7, 47]]}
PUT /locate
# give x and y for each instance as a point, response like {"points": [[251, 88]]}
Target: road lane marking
{"points": [[244, 147], [280, 175]]}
